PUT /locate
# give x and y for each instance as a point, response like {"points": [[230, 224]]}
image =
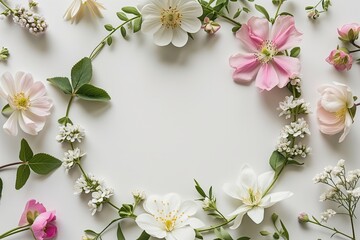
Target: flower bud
{"points": [[349, 32], [313, 14], [210, 26], [340, 59], [303, 217], [209, 204], [138, 196], [4, 54]]}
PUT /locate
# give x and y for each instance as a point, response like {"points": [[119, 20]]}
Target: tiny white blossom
{"points": [[327, 214], [70, 133], [70, 157], [139, 195], [30, 20], [341, 163], [87, 185], [321, 177], [355, 193], [336, 170], [290, 104], [327, 195]]}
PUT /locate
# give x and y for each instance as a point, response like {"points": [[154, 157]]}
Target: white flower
{"points": [[321, 177], [30, 20], [170, 21], [87, 184], [168, 217], [251, 190], [327, 214], [289, 104], [355, 193], [139, 195], [98, 198], [28, 104], [75, 10], [70, 133], [70, 157]]}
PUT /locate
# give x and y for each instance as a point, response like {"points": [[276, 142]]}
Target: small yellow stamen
{"points": [[169, 225], [21, 102], [267, 51], [170, 18]]}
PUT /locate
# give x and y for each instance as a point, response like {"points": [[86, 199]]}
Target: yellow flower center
{"points": [[253, 199], [21, 101], [169, 225], [171, 18], [168, 219], [341, 113], [266, 52]]}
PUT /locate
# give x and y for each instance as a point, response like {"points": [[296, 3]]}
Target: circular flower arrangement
{"points": [[270, 57]]}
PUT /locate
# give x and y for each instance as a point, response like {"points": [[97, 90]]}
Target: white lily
{"points": [[252, 191], [170, 218]]}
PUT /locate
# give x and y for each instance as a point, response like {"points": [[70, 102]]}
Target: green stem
{"points": [[318, 4], [113, 205], [357, 50], [351, 220], [68, 106], [11, 164], [14, 231], [354, 44], [6, 6], [221, 15], [332, 229], [223, 217], [278, 10], [111, 223], [98, 48], [217, 226], [83, 172]]}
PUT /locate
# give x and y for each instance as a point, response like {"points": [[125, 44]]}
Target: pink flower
{"points": [[44, 226], [210, 26], [31, 211], [264, 46], [335, 111], [28, 104], [340, 59], [349, 32]]}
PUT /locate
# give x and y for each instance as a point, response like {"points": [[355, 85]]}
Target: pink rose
{"points": [[349, 32], [340, 59], [32, 210], [336, 109], [44, 226]]}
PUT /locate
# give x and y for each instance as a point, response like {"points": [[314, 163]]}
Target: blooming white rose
{"points": [[170, 218], [252, 191]]}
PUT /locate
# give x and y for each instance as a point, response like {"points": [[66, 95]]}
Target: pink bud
{"points": [[349, 32], [340, 59], [210, 26]]}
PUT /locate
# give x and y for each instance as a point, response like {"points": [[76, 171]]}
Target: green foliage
{"points": [[123, 32], [126, 210], [22, 175], [63, 83], [43, 163], [119, 233], [81, 73], [279, 231], [92, 93], [222, 234], [295, 52], [131, 10], [143, 236], [25, 151], [277, 161], [109, 41], [1, 187], [7, 110], [262, 10], [137, 24], [122, 16], [64, 120], [109, 27]]}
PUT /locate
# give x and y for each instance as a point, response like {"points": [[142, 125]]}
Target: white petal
{"points": [[240, 210], [180, 37], [174, 201], [265, 180], [274, 198], [190, 25], [256, 214], [36, 91], [25, 83], [73, 9], [27, 125], [195, 223], [232, 190], [150, 225], [151, 25], [39, 121], [94, 8], [152, 10], [189, 208], [238, 220], [8, 84], [153, 204], [190, 9], [185, 233], [348, 124], [163, 36], [41, 106], [11, 125], [247, 178]]}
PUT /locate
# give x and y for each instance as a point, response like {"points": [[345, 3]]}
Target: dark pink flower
{"points": [[340, 59], [263, 60], [44, 226], [32, 210], [349, 32]]}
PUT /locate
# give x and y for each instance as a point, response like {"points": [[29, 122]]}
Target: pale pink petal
{"points": [[328, 118], [39, 121], [246, 67], [10, 126], [243, 34], [37, 90], [267, 77], [259, 28], [180, 37], [163, 36], [31, 206], [348, 124], [41, 106], [27, 125], [184, 233], [150, 225], [284, 33], [286, 67], [8, 84], [17, 82], [256, 214]]}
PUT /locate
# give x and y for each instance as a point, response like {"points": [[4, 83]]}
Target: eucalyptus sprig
{"points": [[40, 163]]}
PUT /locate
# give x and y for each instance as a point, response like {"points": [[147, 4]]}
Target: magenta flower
{"points": [[264, 60], [349, 32], [32, 210], [340, 59], [44, 226]]}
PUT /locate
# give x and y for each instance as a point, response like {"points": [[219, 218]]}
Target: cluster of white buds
{"points": [[98, 198], [70, 133], [30, 20], [327, 214], [291, 105], [71, 157]]}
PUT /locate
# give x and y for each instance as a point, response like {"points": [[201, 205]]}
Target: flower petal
{"points": [[25, 82], [8, 84], [286, 67], [11, 126], [274, 198], [247, 178], [190, 9], [232, 190], [26, 124], [246, 67], [190, 25], [151, 25], [37, 90], [284, 33], [184, 233], [180, 37], [242, 209], [259, 28], [238, 220], [94, 7], [243, 35], [265, 180], [267, 78], [150, 225], [256, 214], [348, 124], [163, 36], [195, 223]]}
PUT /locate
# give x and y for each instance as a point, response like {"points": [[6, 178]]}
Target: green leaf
{"points": [[123, 32], [22, 175], [277, 161], [131, 10], [122, 16], [7, 110], [262, 10], [64, 120], [295, 52], [81, 73], [143, 236], [92, 93], [198, 235], [274, 218], [199, 189], [1, 187], [237, 14], [243, 238], [286, 14], [285, 234], [137, 24], [25, 151], [63, 83], [109, 40], [235, 29], [293, 162], [222, 234], [109, 27], [264, 233], [119, 233], [43, 163], [309, 7]]}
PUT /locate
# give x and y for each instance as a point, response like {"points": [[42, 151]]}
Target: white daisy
{"points": [[170, 21]]}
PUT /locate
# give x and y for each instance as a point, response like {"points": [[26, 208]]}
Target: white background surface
{"points": [[175, 115]]}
